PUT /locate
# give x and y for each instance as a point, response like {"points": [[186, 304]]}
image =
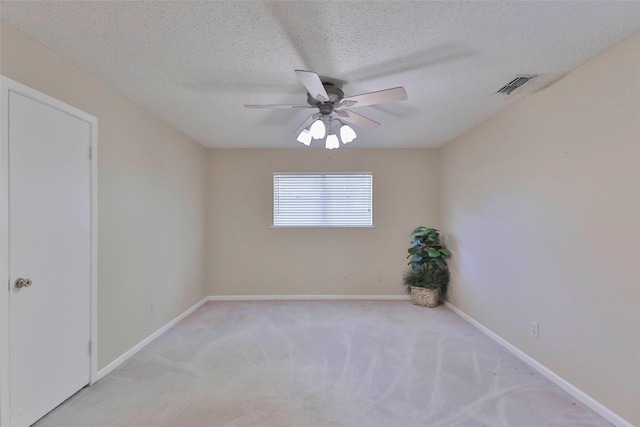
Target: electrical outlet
{"points": [[345, 278], [380, 277], [154, 307], [535, 330]]}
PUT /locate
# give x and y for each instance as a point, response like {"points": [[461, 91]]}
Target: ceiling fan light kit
{"points": [[347, 134], [318, 130], [304, 137], [333, 118], [332, 142]]}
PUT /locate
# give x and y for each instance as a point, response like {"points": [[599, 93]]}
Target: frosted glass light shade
{"points": [[304, 137], [332, 142], [347, 134], [318, 130]]}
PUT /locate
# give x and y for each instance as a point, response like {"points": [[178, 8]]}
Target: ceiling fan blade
{"points": [[358, 120], [277, 106], [314, 85], [373, 98]]}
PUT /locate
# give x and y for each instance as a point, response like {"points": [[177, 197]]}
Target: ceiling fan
{"points": [[333, 116]]}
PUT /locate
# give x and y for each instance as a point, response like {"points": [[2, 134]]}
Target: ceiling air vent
{"points": [[516, 83]]}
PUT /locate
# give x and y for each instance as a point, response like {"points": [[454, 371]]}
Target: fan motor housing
{"points": [[335, 96]]}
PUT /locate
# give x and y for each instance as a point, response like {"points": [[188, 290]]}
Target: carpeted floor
{"points": [[322, 363]]}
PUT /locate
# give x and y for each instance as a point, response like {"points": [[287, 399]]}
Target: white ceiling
{"points": [[196, 63]]}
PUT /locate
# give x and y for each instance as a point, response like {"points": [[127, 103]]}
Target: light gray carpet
{"points": [[322, 363]]}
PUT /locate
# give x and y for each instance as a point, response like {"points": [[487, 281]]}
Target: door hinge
{"points": [[90, 348], [90, 153]]}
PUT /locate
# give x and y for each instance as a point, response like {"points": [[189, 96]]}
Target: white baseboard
{"points": [[565, 385], [124, 357], [305, 297], [590, 402]]}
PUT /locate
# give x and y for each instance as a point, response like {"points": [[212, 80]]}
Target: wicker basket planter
{"points": [[425, 297]]}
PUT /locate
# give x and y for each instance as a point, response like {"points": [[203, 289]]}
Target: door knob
{"points": [[23, 283]]}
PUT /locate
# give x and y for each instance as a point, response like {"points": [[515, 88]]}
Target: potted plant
{"points": [[428, 275]]}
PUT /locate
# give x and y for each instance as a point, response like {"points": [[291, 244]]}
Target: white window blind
{"points": [[323, 199]]}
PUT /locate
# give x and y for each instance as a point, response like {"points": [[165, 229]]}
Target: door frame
{"points": [[7, 86]]}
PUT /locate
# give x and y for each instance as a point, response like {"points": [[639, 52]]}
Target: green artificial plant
{"points": [[427, 261]]}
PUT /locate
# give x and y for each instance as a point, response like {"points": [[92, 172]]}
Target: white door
{"points": [[50, 248]]}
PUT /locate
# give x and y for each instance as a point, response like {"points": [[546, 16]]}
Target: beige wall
{"points": [[151, 182], [248, 257], [541, 206]]}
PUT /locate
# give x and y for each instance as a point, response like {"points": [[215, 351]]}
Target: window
{"points": [[322, 199]]}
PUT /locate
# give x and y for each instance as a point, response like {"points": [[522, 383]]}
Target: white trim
{"points": [[94, 251], [307, 297], [4, 254], [8, 85], [133, 350], [325, 172], [589, 401], [124, 357]]}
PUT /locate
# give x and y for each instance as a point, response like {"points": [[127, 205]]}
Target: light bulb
{"points": [[332, 142], [347, 134], [304, 137], [318, 130]]}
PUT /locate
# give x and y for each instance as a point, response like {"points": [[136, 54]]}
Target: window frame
{"points": [[318, 225]]}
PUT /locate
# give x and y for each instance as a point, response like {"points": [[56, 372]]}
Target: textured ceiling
{"points": [[195, 64]]}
